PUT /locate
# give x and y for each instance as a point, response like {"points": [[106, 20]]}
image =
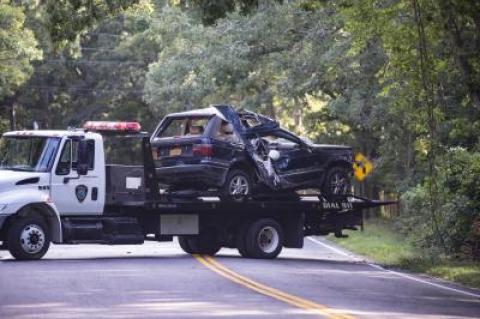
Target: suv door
{"points": [[227, 145], [297, 163], [74, 194]]}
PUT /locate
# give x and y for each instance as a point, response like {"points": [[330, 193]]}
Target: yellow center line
{"points": [[299, 302]]}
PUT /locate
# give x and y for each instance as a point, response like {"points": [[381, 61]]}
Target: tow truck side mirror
{"points": [[82, 157]]}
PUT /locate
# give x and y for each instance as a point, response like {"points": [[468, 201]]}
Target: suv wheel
{"points": [[238, 182], [28, 238], [337, 182]]}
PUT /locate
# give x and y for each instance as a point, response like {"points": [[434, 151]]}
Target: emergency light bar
{"points": [[133, 127]]}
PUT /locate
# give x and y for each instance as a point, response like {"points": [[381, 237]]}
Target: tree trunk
{"points": [[468, 73], [12, 112], [13, 117]]}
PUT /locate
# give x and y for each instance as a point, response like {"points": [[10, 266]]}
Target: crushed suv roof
{"points": [[208, 111]]}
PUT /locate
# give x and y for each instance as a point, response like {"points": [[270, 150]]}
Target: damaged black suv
{"points": [[239, 152]]}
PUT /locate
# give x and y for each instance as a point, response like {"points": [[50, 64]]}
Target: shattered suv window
{"points": [[249, 119], [251, 122], [273, 139], [179, 127]]}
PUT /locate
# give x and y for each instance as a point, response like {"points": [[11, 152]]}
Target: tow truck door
{"points": [[78, 195]]}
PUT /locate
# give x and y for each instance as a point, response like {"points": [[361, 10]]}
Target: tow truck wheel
{"points": [[184, 244], [264, 239], [206, 245], [28, 238]]}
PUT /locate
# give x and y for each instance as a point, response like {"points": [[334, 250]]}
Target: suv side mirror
{"points": [[82, 157], [304, 146]]}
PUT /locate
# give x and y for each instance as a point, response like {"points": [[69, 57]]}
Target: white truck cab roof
{"points": [[52, 133]]}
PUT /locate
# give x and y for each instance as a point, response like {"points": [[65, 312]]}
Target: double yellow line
{"points": [[299, 302]]}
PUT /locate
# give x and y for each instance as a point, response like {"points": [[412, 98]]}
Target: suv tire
{"points": [[337, 182], [238, 183]]}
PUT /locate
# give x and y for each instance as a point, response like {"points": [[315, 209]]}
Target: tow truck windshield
{"points": [[28, 153]]}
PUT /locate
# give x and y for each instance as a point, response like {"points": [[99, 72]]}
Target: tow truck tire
{"points": [[264, 239], [205, 245], [28, 238], [184, 244]]}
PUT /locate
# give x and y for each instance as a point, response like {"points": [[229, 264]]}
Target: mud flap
{"points": [[294, 233]]}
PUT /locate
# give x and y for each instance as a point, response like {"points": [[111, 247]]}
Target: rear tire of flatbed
{"points": [[184, 244], [264, 239], [200, 244]]}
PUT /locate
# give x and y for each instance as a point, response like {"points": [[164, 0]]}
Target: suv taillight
{"points": [[203, 150]]}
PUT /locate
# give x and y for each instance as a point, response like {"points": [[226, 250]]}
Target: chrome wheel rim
{"points": [[32, 239], [339, 184], [268, 239], [238, 185]]}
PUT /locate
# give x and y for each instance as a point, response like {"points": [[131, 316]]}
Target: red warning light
{"points": [[133, 127]]}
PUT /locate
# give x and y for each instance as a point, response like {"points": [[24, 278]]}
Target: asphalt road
{"points": [[158, 280]]}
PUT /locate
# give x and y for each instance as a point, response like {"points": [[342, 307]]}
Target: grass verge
{"points": [[380, 243]]}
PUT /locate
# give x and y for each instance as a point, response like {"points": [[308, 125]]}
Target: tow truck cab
{"points": [[40, 172], [60, 177]]}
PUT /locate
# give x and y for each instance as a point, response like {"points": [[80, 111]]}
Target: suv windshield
{"points": [[180, 127], [28, 153]]}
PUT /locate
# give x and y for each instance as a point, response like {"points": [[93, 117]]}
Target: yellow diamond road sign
{"points": [[362, 167]]}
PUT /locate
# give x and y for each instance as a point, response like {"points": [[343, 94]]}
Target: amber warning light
{"points": [[133, 127]]}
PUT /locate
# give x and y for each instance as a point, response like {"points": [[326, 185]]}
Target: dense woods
{"points": [[399, 80]]}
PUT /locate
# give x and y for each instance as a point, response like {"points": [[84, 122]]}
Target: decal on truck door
{"points": [[81, 191]]}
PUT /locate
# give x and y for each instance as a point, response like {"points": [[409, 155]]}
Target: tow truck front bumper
{"points": [[3, 218]]}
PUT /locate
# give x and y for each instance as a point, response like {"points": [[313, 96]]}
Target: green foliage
{"points": [[458, 184], [209, 11], [382, 243], [18, 48], [100, 77], [67, 19], [258, 61]]}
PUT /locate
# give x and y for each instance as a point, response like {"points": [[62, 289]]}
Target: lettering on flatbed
{"points": [[337, 205]]}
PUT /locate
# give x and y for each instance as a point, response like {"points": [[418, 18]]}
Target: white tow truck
{"points": [[62, 187]]}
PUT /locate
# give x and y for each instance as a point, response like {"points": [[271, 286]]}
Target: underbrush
{"points": [[381, 243]]}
